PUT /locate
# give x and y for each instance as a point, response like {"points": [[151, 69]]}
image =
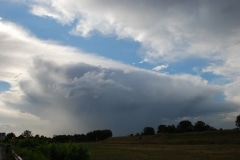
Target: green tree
{"points": [[185, 126], [10, 137], [27, 134], [200, 126], [171, 129], [166, 129], [162, 128], [148, 131], [97, 135], [237, 122]]}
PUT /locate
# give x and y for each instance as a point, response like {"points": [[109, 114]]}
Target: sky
{"points": [[70, 67]]}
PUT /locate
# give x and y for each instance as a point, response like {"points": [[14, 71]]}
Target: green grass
{"points": [[223, 137], [185, 146], [51, 151], [107, 151]]}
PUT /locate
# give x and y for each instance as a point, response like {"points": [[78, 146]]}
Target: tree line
{"points": [[42, 148], [95, 135], [59, 147], [183, 126]]}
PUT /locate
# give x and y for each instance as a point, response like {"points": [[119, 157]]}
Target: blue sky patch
{"points": [[4, 86]]}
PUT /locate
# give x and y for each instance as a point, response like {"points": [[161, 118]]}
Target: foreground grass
{"points": [[30, 149], [187, 146], [106, 151]]}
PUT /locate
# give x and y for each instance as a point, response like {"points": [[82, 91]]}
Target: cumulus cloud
{"points": [[168, 31], [159, 68], [62, 90], [174, 28]]}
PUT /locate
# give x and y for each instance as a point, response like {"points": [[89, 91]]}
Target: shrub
{"points": [[52, 151]]}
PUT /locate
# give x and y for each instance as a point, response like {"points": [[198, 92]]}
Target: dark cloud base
{"points": [[97, 97]]}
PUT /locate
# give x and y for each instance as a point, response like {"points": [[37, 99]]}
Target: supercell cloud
{"points": [[168, 31], [57, 89]]}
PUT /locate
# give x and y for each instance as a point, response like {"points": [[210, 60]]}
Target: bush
{"points": [[52, 151], [148, 131]]}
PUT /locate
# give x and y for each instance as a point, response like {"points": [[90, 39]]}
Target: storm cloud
{"points": [[168, 31], [59, 89]]}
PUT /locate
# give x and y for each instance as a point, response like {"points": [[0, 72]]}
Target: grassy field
{"points": [[187, 146]]}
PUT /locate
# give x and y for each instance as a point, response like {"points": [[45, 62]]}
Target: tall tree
{"points": [[237, 122], [166, 129], [185, 126], [162, 128], [148, 131], [27, 134], [200, 126], [10, 137]]}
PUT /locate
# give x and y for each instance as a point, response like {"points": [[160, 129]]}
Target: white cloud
{"points": [[162, 27], [59, 89], [168, 31], [49, 81], [159, 68], [232, 91]]}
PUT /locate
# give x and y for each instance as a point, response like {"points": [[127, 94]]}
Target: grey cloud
{"points": [[97, 97], [181, 17], [168, 30], [72, 92]]}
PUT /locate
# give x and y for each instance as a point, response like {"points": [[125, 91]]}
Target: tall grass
{"points": [[182, 146], [29, 149]]}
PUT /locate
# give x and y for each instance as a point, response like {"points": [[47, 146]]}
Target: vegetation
{"points": [[237, 122], [6, 152], [60, 147], [95, 135], [211, 145], [148, 131], [189, 138], [127, 151], [185, 126], [29, 149], [217, 145], [183, 141]]}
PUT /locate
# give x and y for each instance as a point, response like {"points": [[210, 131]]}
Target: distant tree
{"points": [[37, 136], [61, 138], [79, 138], [162, 128], [166, 129], [97, 135], [137, 134], [171, 129], [27, 134], [237, 122], [210, 128], [10, 137], [148, 131], [185, 126], [200, 126]]}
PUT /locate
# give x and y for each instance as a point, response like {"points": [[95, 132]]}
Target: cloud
{"points": [[62, 90], [159, 68], [176, 29], [168, 31]]}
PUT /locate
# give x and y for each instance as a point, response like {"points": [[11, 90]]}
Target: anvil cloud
{"points": [[59, 89]]}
